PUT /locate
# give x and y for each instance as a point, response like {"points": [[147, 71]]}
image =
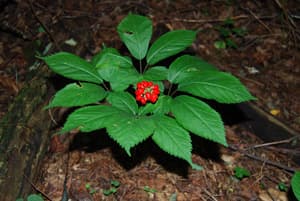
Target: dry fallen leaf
{"points": [[274, 112], [273, 194], [9, 84]]}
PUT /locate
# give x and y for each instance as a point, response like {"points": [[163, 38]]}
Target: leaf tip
{"points": [[128, 151], [47, 107], [225, 144], [39, 57], [196, 166]]}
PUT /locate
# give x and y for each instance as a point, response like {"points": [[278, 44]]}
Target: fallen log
{"points": [[24, 136]]}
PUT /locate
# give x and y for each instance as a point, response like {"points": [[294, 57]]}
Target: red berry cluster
{"points": [[146, 91]]}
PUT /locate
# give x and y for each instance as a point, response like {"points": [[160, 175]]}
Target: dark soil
{"points": [[266, 60]]}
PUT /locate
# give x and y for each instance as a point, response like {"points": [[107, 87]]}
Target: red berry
{"points": [[155, 91], [138, 97], [155, 87], [144, 84], [140, 85], [139, 91], [143, 101], [146, 91], [153, 98], [147, 95]]}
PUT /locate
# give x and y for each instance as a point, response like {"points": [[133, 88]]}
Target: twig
{"points": [[65, 196], [266, 161], [285, 151], [210, 195], [51, 117], [290, 23], [43, 25], [251, 80], [210, 20], [285, 13], [36, 188], [273, 143], [258, 19]]}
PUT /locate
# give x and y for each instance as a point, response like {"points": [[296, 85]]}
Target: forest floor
{"points": [[265, 58]]}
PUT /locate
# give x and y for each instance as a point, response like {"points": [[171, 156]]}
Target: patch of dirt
{"points": [[167, 176], [266, 60]]}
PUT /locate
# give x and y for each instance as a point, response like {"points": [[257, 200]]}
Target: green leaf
{"points": [[123, 101], [162, 106], [34, 197], [239, 31], [228, 22], [173, 197], [135, 31], [128, 131], [109, 191], [231, 43], [170, 44], [220, 44], [156, 73], [225, 32], [149, 190], [77, 95], [110, 57], [122, 78], [108, 62], [295, 183], [241, 173], [220, 86], [116, 69], [92, 118], [72, 66], [282, 187], [115, 183], [41, 29], [185, 65], [88, 186], [172, 138], [199, 118]]}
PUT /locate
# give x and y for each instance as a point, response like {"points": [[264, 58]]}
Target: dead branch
{"points": [[266, 161], [43, 25], [210, 20], [273, 143]]}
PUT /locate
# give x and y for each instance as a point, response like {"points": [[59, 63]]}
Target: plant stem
{"points": [[145, 68], [170, 89], [140, 63], [173, 92], [105, 87]]}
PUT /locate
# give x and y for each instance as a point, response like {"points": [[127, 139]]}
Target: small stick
{"points": [[292, 26], [273, 143], [36, 188], [259, 20], [268, 162], [43, 25], [65, 195], [285, 13], [210, 195], [210, 20], [285, 151]]}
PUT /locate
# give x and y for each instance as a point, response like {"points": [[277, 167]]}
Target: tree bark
{"points": [[24, 137]]}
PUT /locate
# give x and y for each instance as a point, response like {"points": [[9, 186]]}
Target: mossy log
{"points": [[24, 137]]}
